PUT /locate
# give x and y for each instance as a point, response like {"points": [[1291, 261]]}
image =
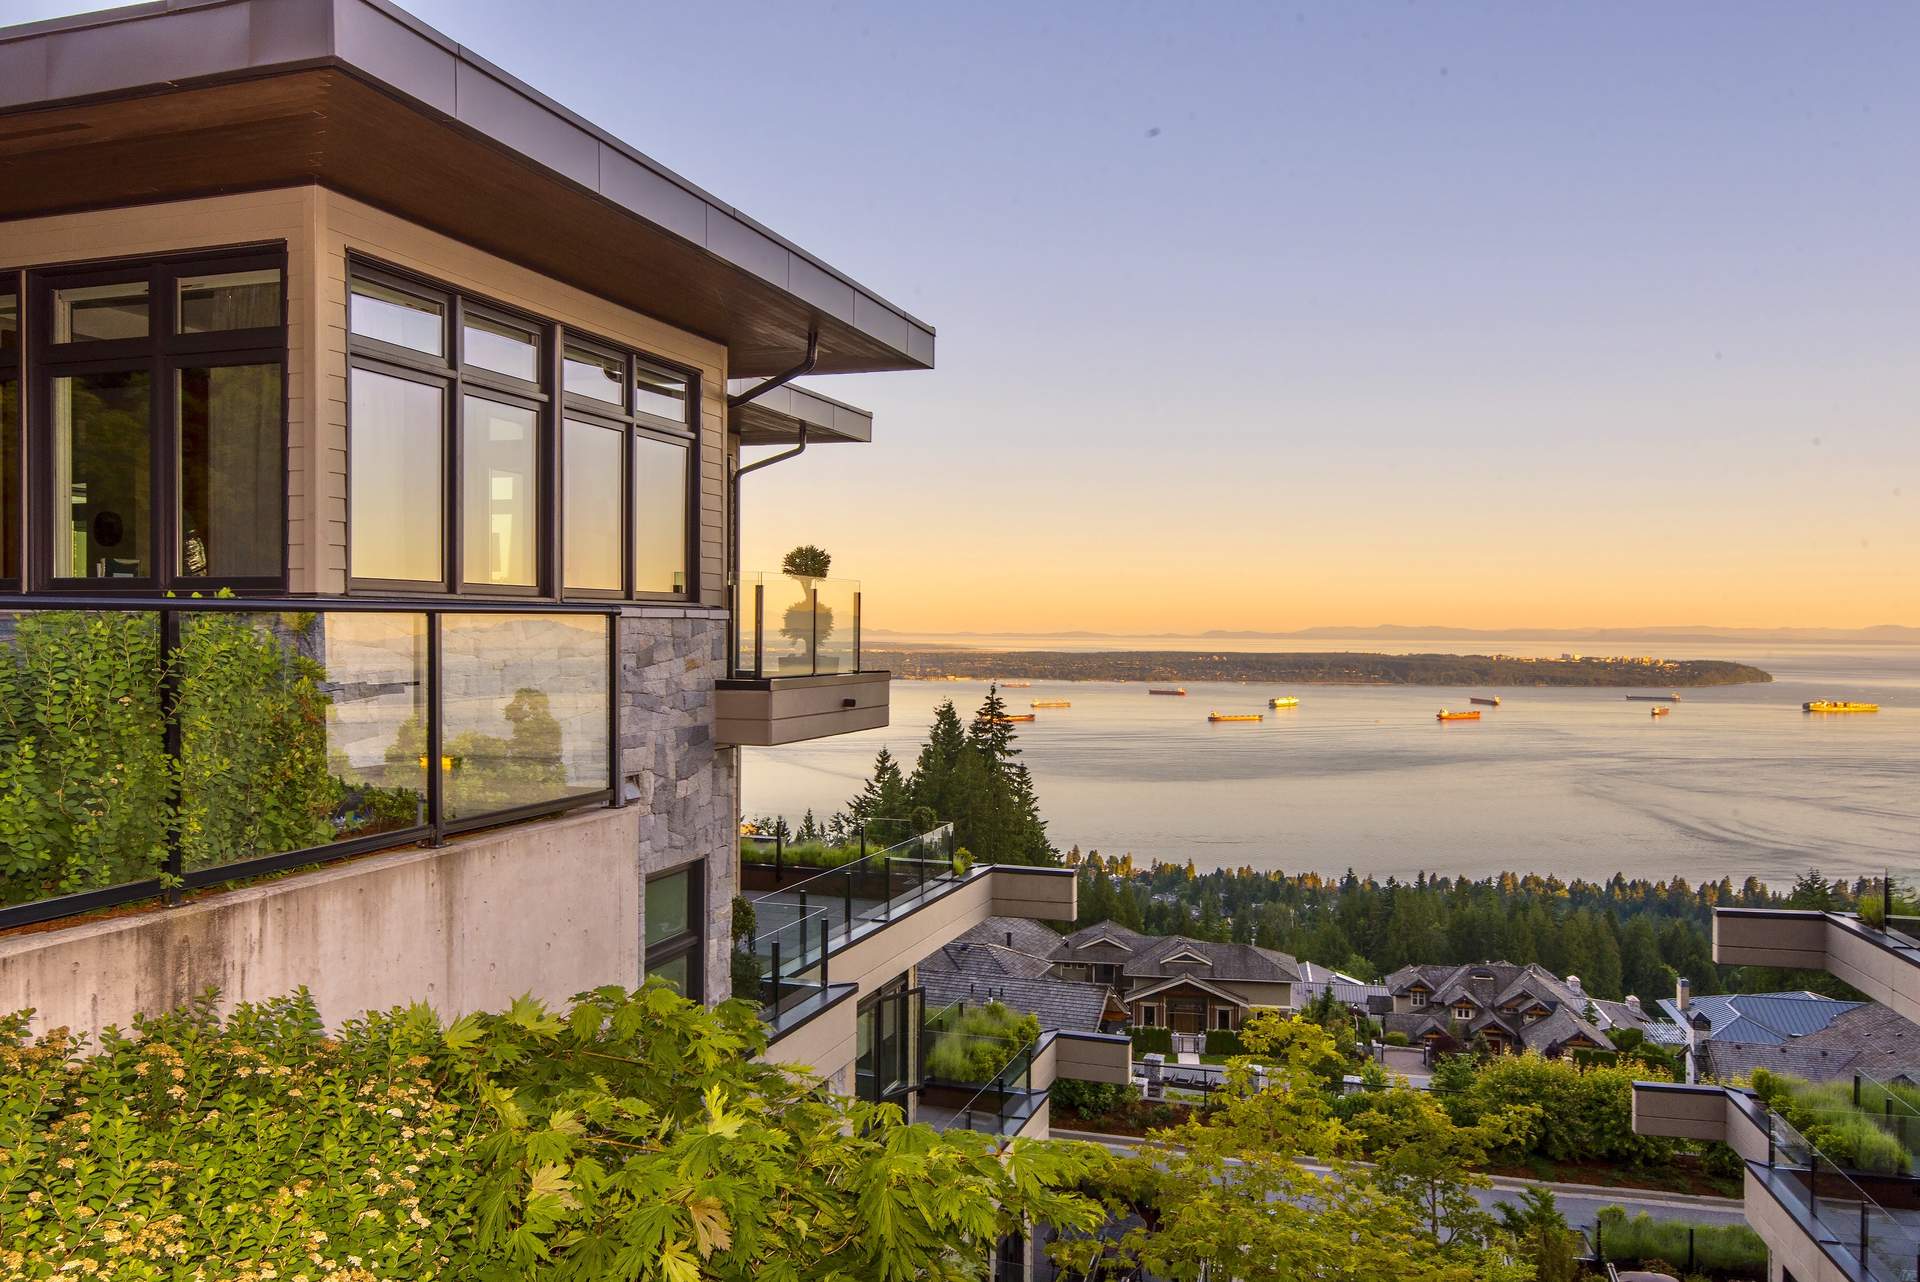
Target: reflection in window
{"points": [[591, 502], [672, 937], [526, 704], [660, 394], [395, 451], [100, 313], [396, 317], [659, 515], [101, 472], [230, 300], [498, 499], [231, 473], [589, 373], [668, 910], [501, 347], [9, 323]]}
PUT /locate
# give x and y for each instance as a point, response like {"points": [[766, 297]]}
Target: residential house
{"points": [[304, 303], [1509, 1007]]}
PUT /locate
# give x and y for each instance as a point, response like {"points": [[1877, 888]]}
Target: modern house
{"points": [[1822, 1217], [1510, 1007], [371, 434]]}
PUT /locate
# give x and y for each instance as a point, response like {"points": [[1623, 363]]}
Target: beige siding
{"points": [[348, 225], [286, 215]]}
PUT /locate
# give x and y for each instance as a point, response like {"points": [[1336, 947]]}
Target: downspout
{"points": [[733, 496]]}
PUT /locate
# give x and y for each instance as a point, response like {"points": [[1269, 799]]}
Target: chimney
{"points": [[1682, 993], [1573, 982], [1009, 939], [1633, 1004]]}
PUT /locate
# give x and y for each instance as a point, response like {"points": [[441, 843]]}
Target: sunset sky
{"points": [[1272, 316]]}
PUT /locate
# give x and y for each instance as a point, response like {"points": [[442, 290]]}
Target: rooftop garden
{"points": [[1864, 1126]]}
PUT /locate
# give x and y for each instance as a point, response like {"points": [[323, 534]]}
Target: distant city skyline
{"points": [[1266, 317]]}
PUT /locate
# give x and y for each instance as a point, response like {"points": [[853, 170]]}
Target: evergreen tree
{"points": [[882, 804], [1642, 971]]}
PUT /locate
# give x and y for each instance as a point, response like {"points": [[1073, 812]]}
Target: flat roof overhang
{"points": [[777, 417], [187, 98]]}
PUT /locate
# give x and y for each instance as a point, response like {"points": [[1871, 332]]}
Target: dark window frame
{"points": [[160, 354], [554, 407], [13, 280], [689, 943]]}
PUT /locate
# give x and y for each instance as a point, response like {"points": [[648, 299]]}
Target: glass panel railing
{"points": [[1884, 1243], [862, 894], [791, 625], [1006, 1100], [791, 950], [526, 707], [1892, 904], [176, 743]]}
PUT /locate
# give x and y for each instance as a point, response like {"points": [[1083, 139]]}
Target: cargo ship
{"points": [[1838, 705], [1051, 703], [1012, 717], [1654, 698], [1015, 685], [1473, 715], [1166, 689], [1285, 701], [1236, 716], [1494, 702], [1662, 710]]}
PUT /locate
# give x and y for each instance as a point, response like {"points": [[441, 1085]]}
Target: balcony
{"points": [[1823, 1220], [795, 672], [159, 746], [1013, 1100], [1877, 952], [827, 935]]}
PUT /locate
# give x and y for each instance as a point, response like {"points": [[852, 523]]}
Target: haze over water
{"points": [[1737, 781]]}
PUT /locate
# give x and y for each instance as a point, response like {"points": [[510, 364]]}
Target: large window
{"points": [[158, 402], [673, 916], [492, 452]]}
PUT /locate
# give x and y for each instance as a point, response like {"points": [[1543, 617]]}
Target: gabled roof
{"points": [[1226, 963], [993, 960], [1867, 1039], [1108, 932], [1193, 981], [1020, 933], [1556, 1030], [1762, 1018]]}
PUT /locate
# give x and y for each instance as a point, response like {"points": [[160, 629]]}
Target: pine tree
{"points": [[882, 804]]}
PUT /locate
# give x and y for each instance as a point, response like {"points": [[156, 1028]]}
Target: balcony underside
{"points": [[1882, 964], [764, 712]]}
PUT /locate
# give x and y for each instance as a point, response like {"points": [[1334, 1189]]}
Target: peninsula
{"points": [[937, 664]]}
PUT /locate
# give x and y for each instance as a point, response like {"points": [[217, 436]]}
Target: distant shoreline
{"points": [[933, 663]]}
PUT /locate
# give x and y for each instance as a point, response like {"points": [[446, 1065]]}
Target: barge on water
{"points": [[1655, 698]]}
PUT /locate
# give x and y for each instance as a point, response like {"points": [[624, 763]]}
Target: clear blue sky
{"points": [[1258, 316]]}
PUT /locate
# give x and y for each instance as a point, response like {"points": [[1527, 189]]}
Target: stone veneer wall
{"points": [[684, 787]]}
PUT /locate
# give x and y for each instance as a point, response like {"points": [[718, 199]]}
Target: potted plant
{"points": [[804, 624]]}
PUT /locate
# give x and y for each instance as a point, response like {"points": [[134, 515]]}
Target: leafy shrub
{"points": [[528, 1144], [978, 1042], [1151, 1041], [1089, 1099], [1591, 1109], [1847, 1134], [1224, 1041], [1397, 1039]]}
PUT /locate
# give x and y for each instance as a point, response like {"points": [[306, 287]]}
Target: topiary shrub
{"points": [[1151, 1041], [1396, 1039]]}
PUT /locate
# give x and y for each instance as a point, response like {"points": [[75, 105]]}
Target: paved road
{"points": [[1580, 1203]]}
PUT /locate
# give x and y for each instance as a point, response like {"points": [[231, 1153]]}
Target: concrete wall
{"points": [[550, 907]]}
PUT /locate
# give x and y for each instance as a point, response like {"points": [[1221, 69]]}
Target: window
{"points": [[1223, 1018], [1149, 1015], [1463, 1010], [887, 1027], [158, 401], [492, 453], [10, 428], [672, 939], [1417, 999]]}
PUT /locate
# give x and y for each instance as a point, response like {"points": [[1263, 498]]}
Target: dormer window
{"points": [[1463, 1010], [1418, 999]]}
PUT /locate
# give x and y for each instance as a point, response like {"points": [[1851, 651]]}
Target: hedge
{"points": [[1224, 1041], [1151, 1041], [1719, 1250]]}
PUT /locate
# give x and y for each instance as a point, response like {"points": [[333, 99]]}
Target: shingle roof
{"points": [[986, 960], [1866, 1039], [1224, 963], [1022, 933], [1058, 1003]]}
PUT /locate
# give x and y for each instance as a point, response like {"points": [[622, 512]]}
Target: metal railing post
{"points": [[775, 1003], [170, 745], [856, 632], [847, 888], [1863, 1234], [823, 956], [759, 630], [813, 596], [886, 883], [436, 783]]}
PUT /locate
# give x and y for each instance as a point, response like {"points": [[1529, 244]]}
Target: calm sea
{"points": [[1736, 781]]}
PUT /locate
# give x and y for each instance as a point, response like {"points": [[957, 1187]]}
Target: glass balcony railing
{"points": [[153, 746], [805, 914], [1893, 905], [1884, 1243], [791, 625]]}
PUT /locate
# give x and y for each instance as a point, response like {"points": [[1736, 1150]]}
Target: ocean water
{"points": [[1737, 781]]}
